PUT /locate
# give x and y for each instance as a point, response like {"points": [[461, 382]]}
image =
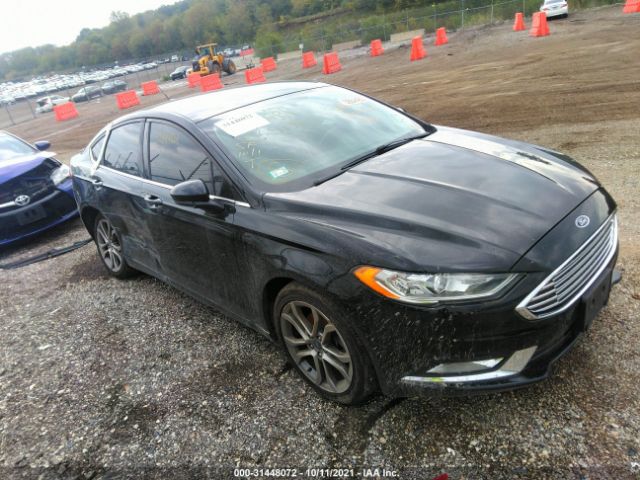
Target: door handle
{"points": [[153, 201], [97, 182]]}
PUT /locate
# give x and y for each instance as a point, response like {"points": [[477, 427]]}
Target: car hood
{"points": [[15, 167], [456, 200]]}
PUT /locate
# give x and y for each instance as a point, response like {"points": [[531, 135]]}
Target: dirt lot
{"points": [[107, 379]]}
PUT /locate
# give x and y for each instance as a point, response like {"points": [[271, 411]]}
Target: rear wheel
{"points": [[110, 248], [231, 68], [321, 345]]}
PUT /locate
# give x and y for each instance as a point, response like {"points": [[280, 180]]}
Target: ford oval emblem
{"points": [[582, 221], [22, 200]]}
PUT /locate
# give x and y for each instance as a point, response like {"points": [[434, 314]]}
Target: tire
{"points": [[230, 68], [109, 246], [331, 342], [214, 68]]}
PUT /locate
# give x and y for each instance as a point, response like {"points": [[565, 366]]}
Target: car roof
{"points": [[201, 107]]}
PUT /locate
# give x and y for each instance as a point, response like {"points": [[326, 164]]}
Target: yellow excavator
{"points": [[209, 61]]}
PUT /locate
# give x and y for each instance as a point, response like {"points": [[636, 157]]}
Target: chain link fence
{"points": [[322, 38], [25, 109]]}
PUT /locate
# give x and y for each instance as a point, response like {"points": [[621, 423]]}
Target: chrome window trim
{"points": [[169, 187], [522, 306]]}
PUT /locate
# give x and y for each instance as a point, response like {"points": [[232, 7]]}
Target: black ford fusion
{"points": [[35, 189], [380, 251]]}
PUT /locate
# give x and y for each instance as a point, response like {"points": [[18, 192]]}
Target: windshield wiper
{"points": [[382, 149], [373, 153]]}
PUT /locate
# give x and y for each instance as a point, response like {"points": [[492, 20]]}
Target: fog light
{"points": [[476, 371], [465, 367]]}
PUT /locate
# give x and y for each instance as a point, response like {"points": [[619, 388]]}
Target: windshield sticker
{"points": [[279, 172], [237, 125], [352, 101]]}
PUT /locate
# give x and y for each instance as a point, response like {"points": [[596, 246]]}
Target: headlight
{"points": [[60, 174], [431, 288]]}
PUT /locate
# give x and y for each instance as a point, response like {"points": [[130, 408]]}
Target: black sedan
{"points": [[114, 86], [380, 251], [87, 93], [179, 72]]}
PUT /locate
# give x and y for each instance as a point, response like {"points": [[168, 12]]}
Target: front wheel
{"points": [[110, 248], [322, 346]]}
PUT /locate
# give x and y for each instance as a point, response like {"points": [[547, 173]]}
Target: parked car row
{"points": [[86, 93], [11, 92]]}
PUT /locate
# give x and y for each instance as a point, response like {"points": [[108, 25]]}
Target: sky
{"points": [[29, 23]]}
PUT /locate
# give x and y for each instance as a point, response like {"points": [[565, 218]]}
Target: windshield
{"points": [[11, 147], [289, 142]]}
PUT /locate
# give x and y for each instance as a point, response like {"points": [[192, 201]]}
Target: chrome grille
{"points": [[571, 279]]}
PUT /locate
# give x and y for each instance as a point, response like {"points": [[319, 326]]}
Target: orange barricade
{"points": [[248, 51], [417, 49], [127, 99], [539, 27], [210, 82], [254, 75], [376, 47], [631, 6], [518, 24], [331, 63], [308, 60], [65, 111], [150, 88], [441, 36], [193, 79], [268, 64]]}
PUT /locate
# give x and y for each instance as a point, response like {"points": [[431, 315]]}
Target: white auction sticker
{"points": [[279, 172], [237, 125]]}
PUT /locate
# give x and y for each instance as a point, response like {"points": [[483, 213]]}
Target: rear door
{"points": [[118, 183], [196, 247]]}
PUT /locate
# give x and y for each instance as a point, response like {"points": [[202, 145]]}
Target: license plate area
{"points": [[596, 298], [31, 215]]}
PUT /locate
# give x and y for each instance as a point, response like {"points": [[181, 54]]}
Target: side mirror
{"points": [[42, 145], [196, 194], [190, 191]]}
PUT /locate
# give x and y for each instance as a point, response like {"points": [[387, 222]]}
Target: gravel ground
{"points": [[101, 378]]}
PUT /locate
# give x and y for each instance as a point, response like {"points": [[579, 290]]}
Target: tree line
{"points": [[179, 27], [174, 28]]}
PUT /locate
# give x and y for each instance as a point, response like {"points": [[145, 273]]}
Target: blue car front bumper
{"points": [[47, 212]]}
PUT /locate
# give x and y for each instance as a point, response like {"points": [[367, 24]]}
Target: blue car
{"points": [[35, 189]]}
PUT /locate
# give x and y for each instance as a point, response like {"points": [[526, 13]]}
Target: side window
{"points": [[96, 148], [123, 151], [174, 156]]}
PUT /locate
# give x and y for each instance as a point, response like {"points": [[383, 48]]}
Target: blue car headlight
{"points": [[60, 174]]}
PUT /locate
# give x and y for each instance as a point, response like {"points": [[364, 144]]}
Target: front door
{"points": [[196, 247]]}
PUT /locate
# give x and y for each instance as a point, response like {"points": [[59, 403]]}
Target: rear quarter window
{"points": [[124, 150]]}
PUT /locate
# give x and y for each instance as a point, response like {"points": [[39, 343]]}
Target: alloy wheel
{"points": [[316, 346], [109, 245]]}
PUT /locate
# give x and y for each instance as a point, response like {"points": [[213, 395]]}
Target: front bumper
{"points": [[59, 206], [518, 351]]}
